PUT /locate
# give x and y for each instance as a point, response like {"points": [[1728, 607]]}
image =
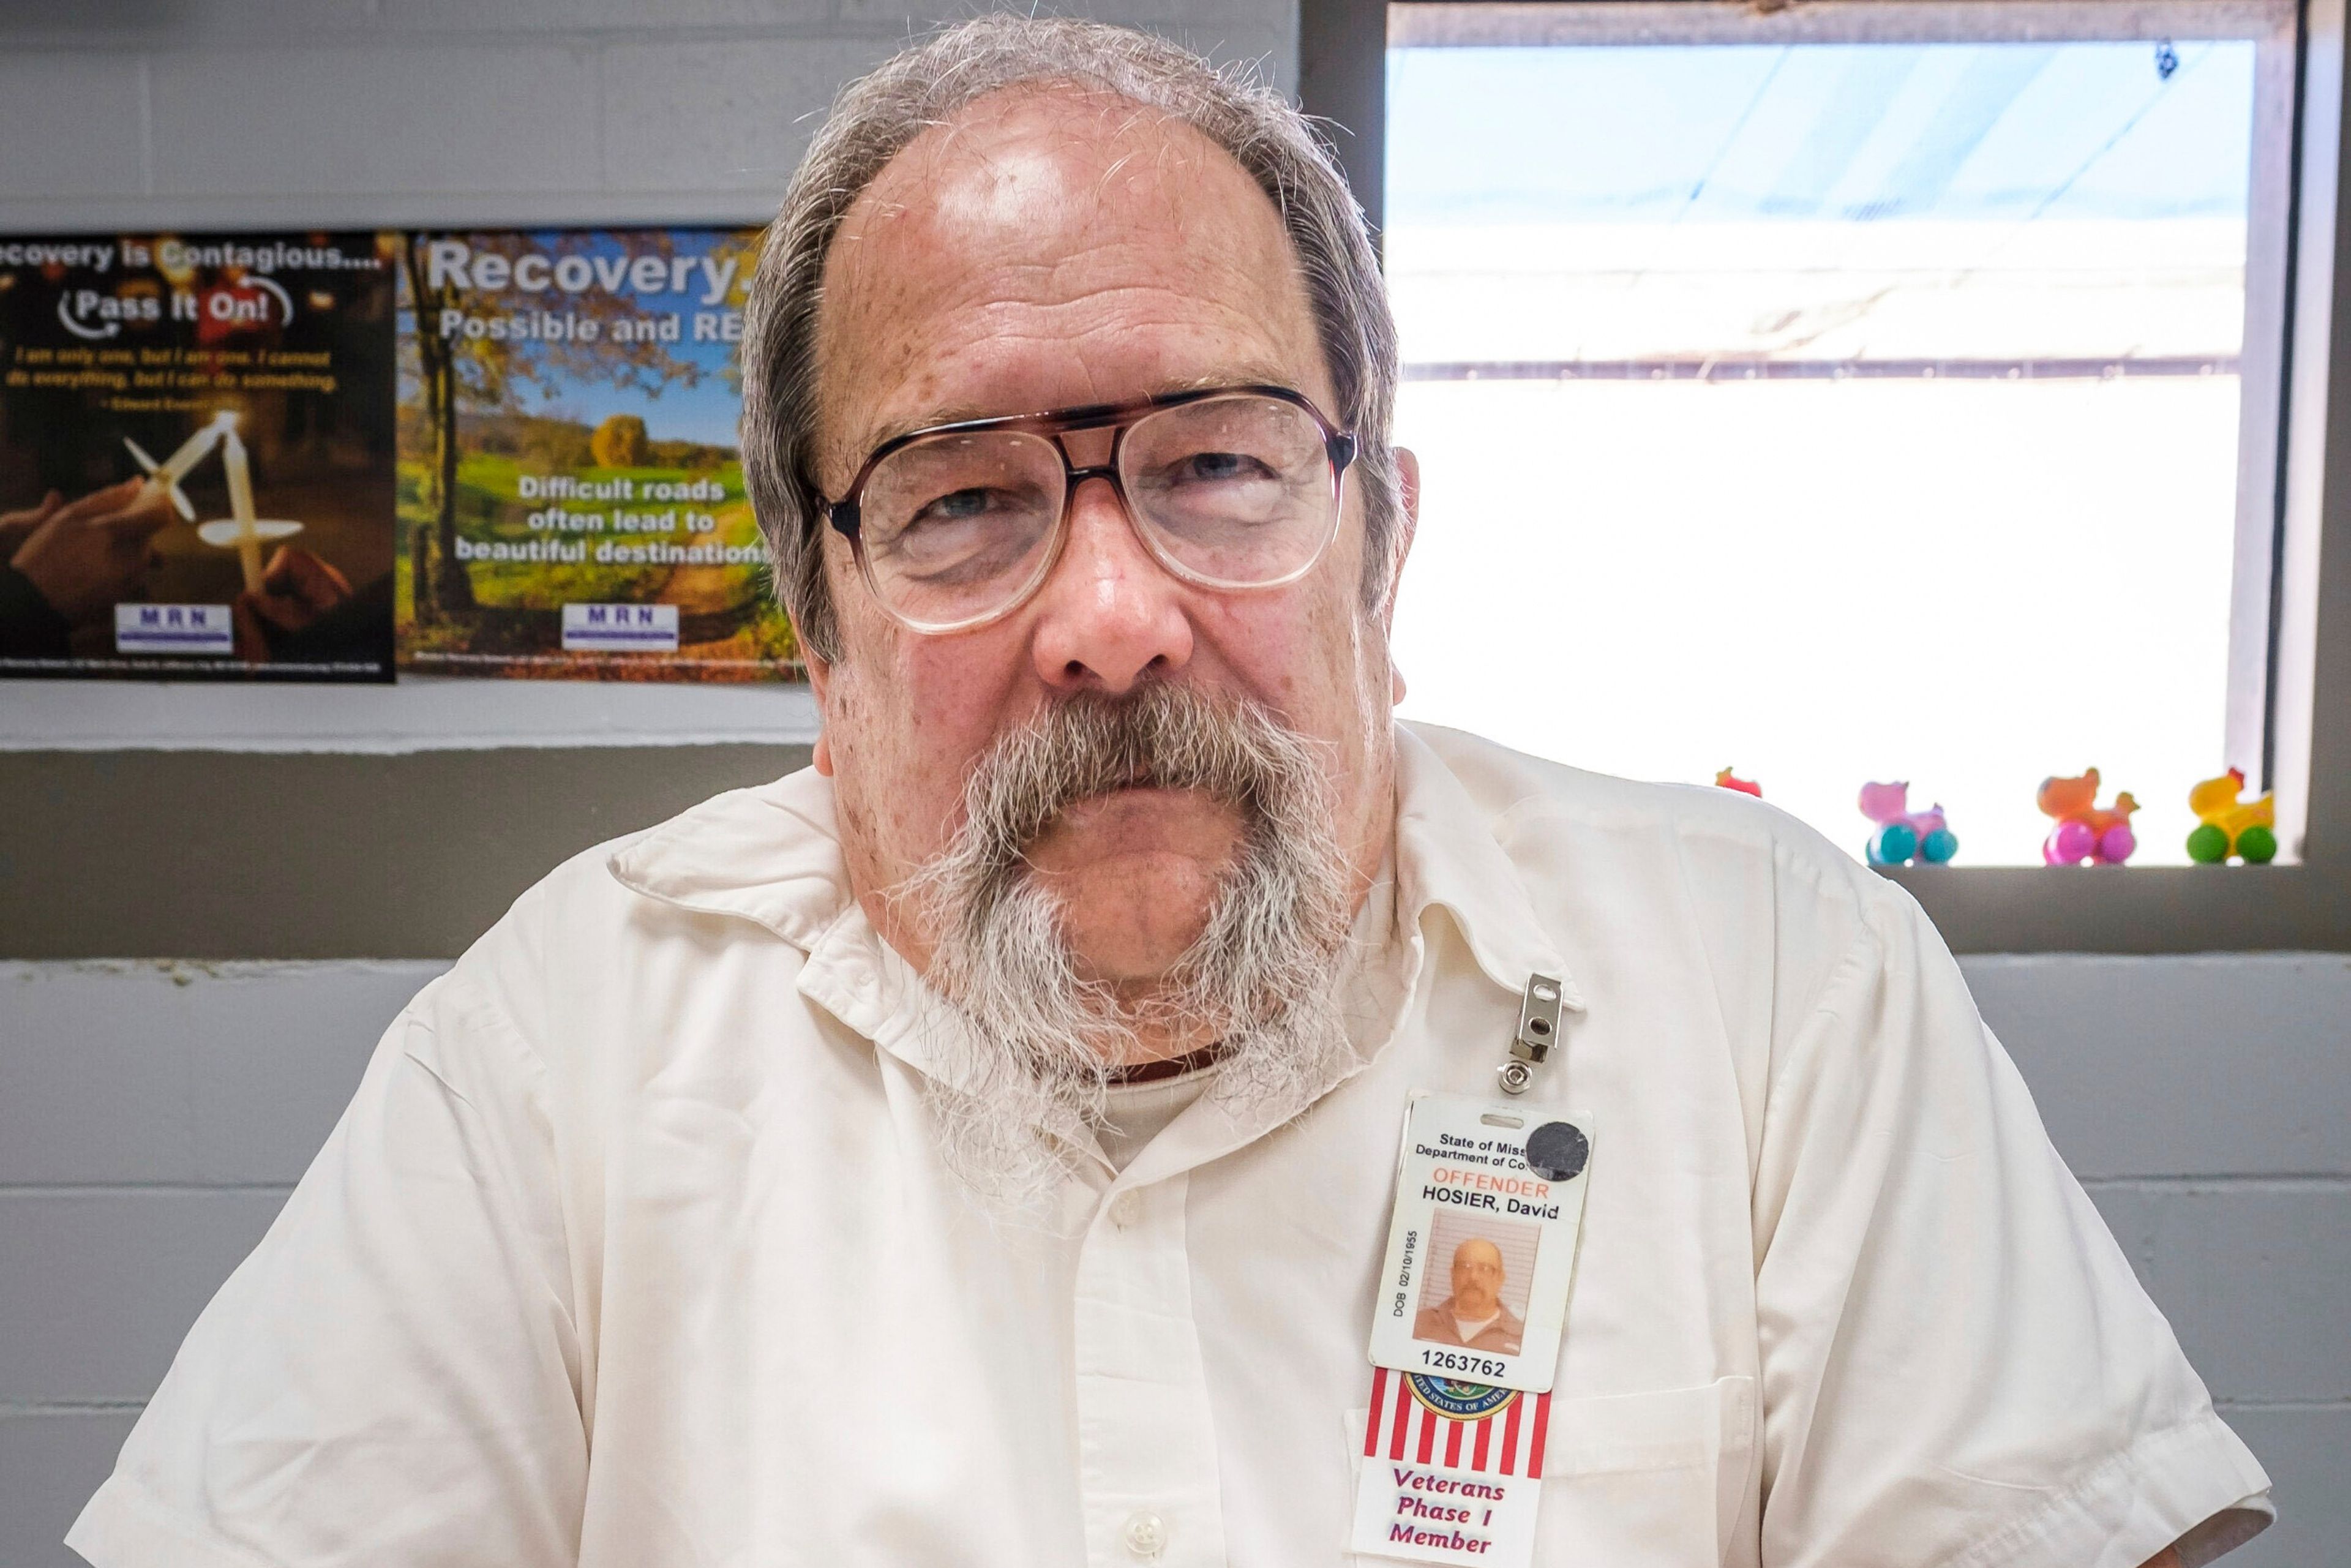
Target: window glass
{"points": [[1834, 412]]}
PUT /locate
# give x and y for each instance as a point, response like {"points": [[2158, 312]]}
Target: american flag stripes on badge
{"points": [[1460, 1425], [1450, 1471]]}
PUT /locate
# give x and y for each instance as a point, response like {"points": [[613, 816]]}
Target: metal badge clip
{"points": [[1538, 1031]]}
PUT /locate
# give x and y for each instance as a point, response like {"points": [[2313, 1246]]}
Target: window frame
{"points": [[2304, 701]]}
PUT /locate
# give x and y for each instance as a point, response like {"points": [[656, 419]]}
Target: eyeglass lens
{"points": [[1230, 492]]}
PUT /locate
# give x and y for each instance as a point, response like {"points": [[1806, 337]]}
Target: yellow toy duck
{"points": [[2227, 826]]}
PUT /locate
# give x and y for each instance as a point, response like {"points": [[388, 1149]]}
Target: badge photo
{"points": [[1481, 1246]]}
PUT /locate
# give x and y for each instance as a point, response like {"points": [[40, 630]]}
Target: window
{"points": [[1862, 391]]}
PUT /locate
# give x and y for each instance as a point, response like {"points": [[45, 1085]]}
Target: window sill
{"points": [[2141, 909]]}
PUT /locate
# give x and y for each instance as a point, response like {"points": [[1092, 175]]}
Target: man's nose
{"points": [[1110, 615]]}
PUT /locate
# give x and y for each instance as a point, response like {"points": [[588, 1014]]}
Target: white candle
{"points": [[191, 450], [240, 502], [164, 479]]}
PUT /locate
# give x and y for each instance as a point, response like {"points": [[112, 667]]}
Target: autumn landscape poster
{"points": [[570, 493]]}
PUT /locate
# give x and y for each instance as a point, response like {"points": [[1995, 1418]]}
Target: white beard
{"points": [[1031, 1063]]}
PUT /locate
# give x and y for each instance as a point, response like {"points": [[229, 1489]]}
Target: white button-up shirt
{"points": [[634, 1249]]}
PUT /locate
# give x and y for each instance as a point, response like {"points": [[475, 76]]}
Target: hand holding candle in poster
{"points": [[297, 590], [81, 556]]}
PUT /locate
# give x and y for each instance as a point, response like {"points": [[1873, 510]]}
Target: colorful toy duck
{"points": [[1903, 834], [2227, 825], [2086, 833]]}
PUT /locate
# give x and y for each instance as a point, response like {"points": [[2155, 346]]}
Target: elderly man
{"points": [[1070, 1007], [1473, 1316]]}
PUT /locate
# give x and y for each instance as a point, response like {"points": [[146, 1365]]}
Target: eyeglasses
{"points": [[1232, 488]]}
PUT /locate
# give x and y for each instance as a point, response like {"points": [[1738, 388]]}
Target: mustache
{"points": [[1159, 737]]}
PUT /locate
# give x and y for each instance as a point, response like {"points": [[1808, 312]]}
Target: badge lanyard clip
{"points": [[1538, 1032]]}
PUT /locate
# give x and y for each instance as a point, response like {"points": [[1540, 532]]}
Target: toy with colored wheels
{"points": [[2087, 833], [1903, 835], [2228, 826]]}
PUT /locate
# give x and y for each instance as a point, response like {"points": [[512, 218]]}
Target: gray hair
{"points": [[874, 118]]}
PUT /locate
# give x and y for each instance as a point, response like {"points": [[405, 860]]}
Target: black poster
{"points": [[197, 452]]}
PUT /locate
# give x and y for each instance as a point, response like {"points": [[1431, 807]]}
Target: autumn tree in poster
{"points": [[571, 496]]}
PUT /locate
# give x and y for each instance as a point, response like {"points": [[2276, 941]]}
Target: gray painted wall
{"points": [[153, 1117]]}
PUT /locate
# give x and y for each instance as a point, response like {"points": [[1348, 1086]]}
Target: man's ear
{"points": [[1407, 465], [1399, 552], [819, 674], [834, 564]]}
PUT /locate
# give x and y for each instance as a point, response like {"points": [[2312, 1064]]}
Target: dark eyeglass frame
{"points": [[1338, 445]]}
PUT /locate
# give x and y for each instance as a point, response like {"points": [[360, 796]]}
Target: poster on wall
{"points": [[196, 456], [571, 499]]}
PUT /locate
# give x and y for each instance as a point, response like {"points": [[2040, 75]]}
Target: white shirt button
{"points": [[1146, 1533], [1124, 1211]]}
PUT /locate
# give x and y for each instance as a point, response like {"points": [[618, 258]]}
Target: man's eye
{"points": [[955, 507], [965, 536], [1215, 468]]}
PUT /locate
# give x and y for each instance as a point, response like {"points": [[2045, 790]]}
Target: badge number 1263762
{"points": [[1481, 1246]]}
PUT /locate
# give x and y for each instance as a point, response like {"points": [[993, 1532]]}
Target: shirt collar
{"points": [[1448, 856], [772, 855]]}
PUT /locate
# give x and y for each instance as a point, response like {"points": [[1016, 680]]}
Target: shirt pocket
{"points": [[1648, 1480]]}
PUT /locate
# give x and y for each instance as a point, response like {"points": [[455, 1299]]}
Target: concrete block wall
{"points": [[153, 1116], [239, 113], [153, 1119], [2203, 1101]]}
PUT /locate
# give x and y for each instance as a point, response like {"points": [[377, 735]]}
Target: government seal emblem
{"points": [[1457, 1401]]}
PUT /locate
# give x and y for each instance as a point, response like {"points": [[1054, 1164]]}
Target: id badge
{"points": [[1481, 1246]]}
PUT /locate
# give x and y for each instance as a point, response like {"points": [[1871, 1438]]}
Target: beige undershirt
{"points": [[1138, 1112]]}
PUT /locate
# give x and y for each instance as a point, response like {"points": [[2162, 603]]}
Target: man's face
{"points": [[1477, 1279], [1045, 250]]}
